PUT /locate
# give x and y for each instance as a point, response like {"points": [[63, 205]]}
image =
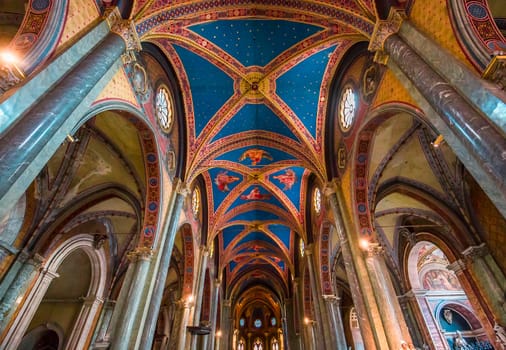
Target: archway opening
{"points": [[65, 296], [443, 302]]}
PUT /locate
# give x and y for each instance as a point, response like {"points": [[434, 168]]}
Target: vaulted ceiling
{"points": [[255, 77]]}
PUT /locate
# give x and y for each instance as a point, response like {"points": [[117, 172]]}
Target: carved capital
{"points": [[181, 187], [408, 235], [381, 57], [406, 297], [112, 16], [99, 240], [457, 266], [10, 76], [330, 189], [374, 249], [474, 252], [384, 28], [332, 299], [124, 28], [496, 71], [308, 250], [36, 260], [140, 253], [92, 299]]}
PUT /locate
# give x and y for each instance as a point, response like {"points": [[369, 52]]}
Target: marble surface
{"points": [[12, 106], [484, 95], [30, 143], [480, 147]]}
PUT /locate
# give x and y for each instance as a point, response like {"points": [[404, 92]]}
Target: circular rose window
{"points": [[164, 105], [347, 108]]}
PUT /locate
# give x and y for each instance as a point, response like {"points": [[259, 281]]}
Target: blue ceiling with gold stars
{"points": [[254, 95], [255, 77]]}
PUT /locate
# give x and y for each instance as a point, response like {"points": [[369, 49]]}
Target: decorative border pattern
{"points": [[153, 192], [325, 271], [187, 236]]}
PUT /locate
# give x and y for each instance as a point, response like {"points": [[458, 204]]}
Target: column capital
{"points": [[217, 283], [181, 187], [458, 266], [227, 302], [308, 250], [385, 28], [124, 28], [406, 297], [204, 250], [374, 249], [48, 274], [477, 251], [409, 235], [330, 188], [495, 71], [140, 253], [184, 303], [295, 282], [331, 298], [92, 299], [35, 260]]}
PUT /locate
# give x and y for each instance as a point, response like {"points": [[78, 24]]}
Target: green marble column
{"points": [[386, 299], [39, 131], [332, 304], [167, 238], [360, 286], [18, 287], [201, 274], [124, 335], [321, 317], [490, 279], [213, 314], [226, 325], [461, 107]]}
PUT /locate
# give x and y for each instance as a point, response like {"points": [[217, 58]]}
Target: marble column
{"points": [[292, 338], [168, 237], [321, 316], [298, 314], [29, 144], [201, 277], [31, 300], [310, 336], [184, 316], [82, 326], [484, 96], [28, 268], [390, 310], [332, 303], [101, 339], [213, 314], [361, 290], [490, 279], [477, 142], [407, 303], [287, 303], [124, 334], [226, 324]]}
